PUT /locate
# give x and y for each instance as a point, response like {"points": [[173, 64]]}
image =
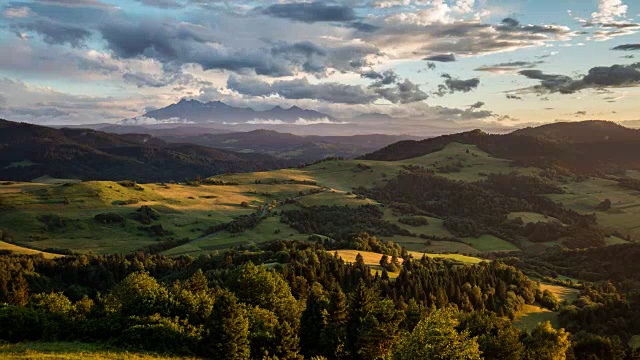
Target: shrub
{"points": [[414, 221], [109, 218]]}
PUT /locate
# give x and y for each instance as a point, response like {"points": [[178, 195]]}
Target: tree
{"points": [[227, 331], [334, 334], [363, 302], [258, 286], [547, 343], [138, 294], [312, 322], [435, 337]]}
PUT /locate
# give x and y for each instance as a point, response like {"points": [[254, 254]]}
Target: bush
{"points": [[414, 221], [109, 218], [163, 335]]}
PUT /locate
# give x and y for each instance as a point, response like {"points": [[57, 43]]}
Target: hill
{"points": [[219, 112], [574, 147], [581, 132], [290, 146], [31, 151]]}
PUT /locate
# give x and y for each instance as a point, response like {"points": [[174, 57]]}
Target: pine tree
{"points": [[227, 331], [334, 334], [312, 320]]}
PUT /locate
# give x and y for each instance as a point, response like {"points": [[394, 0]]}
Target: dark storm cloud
{"points": [[183, 43], [403, 93], [56, 33], [442, 58], [144, 80], [452, 85], [311, 12], [386, 77], [597, 77], [627, 47]]}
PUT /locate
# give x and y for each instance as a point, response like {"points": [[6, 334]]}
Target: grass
{"points": [[584, 196], [486, 243], [185, 211], [73, 351], [4, 246], [269, 229], [372, 259], [334, 197], [531, 315]]}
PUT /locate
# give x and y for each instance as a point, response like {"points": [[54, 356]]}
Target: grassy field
{"points": [[334, 197], [185, 211], [73, 351], [487, 243], [531, 315], [26, 251], [584, 196]]}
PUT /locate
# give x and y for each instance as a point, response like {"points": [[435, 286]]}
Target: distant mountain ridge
{"points": [[290, 146], [219, 112], [586, 147], [30, 151]]}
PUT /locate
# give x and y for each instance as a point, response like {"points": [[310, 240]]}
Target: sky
{"points": [[450, 64]]}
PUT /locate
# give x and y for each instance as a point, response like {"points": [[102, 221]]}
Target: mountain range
{"points": [[290, 146], [30, 151], [589, 147], [194, 111]]}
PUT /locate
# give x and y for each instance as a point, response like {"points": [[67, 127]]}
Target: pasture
{"points": [[74, 351], [584, 196], [531, 315]]}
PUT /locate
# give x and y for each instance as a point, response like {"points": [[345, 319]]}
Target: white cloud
{"points": [[18, 12], [609, 11], [300, 121]]}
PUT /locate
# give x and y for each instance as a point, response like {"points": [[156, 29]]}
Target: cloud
{"points": [[56, 33], [597, 77], [163, 4], [627, 47], [452, 85], [302, 89], [183, 43], [476, 105], [441, 58], [386, 77], [311, 12], [404, 93], [609, 11], [506, 67], [299, 121], [17, 12], [143, 120], [79, 3], [513, 97]]}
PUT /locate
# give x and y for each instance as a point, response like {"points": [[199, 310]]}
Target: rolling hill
{"points": [[589, 147], [30, 151], [290, 146]]}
